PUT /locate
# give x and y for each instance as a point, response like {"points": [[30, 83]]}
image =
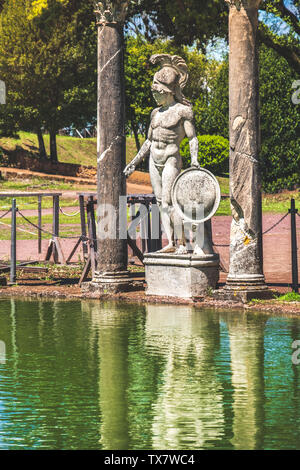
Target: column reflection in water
{"points": [[112, 345], [188, 412], [246, 334]]}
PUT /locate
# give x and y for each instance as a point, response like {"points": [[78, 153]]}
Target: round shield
{"points": [[196, 195]]}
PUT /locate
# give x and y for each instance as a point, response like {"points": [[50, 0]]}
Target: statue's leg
{"points": [[169, 174], [203, 242], [156, 181]]}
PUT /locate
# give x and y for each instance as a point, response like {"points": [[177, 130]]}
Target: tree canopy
{"points": [[279, 116], [48, 61], [198, 21]]}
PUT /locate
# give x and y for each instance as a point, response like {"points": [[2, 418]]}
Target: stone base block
{"points": [[183, 276], [3, 281], [113, 283], [244, 294]]}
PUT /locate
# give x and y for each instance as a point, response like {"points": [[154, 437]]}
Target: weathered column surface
{"points": [[246, 267], [111, 274]]}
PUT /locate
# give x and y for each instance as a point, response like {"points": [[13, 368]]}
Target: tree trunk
{"points": [[42, 149], [53, 146], [136, 135]]}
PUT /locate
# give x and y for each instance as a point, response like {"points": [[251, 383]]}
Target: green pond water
{"points": [[88, 375]]}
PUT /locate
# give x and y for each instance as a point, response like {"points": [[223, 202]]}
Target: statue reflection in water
{"points": [[174, 377], [188, 413]]}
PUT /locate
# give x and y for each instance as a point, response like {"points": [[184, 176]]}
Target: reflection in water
{"points": [[246, 333], [91, 375], [47, 384], [112, 344], [189, 409]]}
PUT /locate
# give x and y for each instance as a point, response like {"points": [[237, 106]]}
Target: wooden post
{"points": [[83, 227], [54, 247], [92, 233], [156, 227], [131, 218], [143, 230], [149, 239]]}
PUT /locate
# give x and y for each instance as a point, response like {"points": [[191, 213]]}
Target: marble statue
{"points": [[171, 122]]}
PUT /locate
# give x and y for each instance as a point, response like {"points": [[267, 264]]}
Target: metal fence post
{"points": [[40, 224], [13, 246], [293, 211], [83, 227]]}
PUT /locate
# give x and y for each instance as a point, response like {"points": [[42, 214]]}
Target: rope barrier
{"points": [[266, 231], [4, 215], [46, 231], [18, 228], [69, 215], [85, 238], [277, 223]]}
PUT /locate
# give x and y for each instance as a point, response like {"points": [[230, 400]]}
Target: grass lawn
{"points": [[69, 149], [38, 184], [76, 150]]}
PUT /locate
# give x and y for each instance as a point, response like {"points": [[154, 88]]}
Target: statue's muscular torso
{"points": [[167, 131]]}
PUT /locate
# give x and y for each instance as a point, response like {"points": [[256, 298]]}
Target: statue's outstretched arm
{"points": [[142, 154], [193, 141]]}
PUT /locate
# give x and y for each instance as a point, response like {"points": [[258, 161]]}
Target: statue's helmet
{"points": [[172, 77], [167, 79]]}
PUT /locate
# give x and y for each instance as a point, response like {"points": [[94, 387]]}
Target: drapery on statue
{"points": [[170, 123]]}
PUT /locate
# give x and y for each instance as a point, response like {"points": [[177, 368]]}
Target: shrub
{"points": [[289, 182], [213, 153]]}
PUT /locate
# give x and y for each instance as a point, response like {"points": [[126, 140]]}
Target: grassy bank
{"points": [[83, 151], [69, 149]]}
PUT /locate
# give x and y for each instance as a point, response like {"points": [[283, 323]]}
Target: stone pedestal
{"points": [[243, 293], [184, 276], [113, 283]]}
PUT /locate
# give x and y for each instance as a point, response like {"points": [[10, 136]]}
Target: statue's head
{"points": [[170, 79], [164, 85]]}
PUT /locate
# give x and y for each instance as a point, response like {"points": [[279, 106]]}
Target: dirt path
{"points": [[276, 246]]}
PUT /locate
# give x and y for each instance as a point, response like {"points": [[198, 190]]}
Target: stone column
{"points": [[111, 275], [246, 267]]}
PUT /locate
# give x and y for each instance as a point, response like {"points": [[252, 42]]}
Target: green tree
{"points": [[187, 21], [139, 75], [211, 109], [48, 61], [280, 122]]}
